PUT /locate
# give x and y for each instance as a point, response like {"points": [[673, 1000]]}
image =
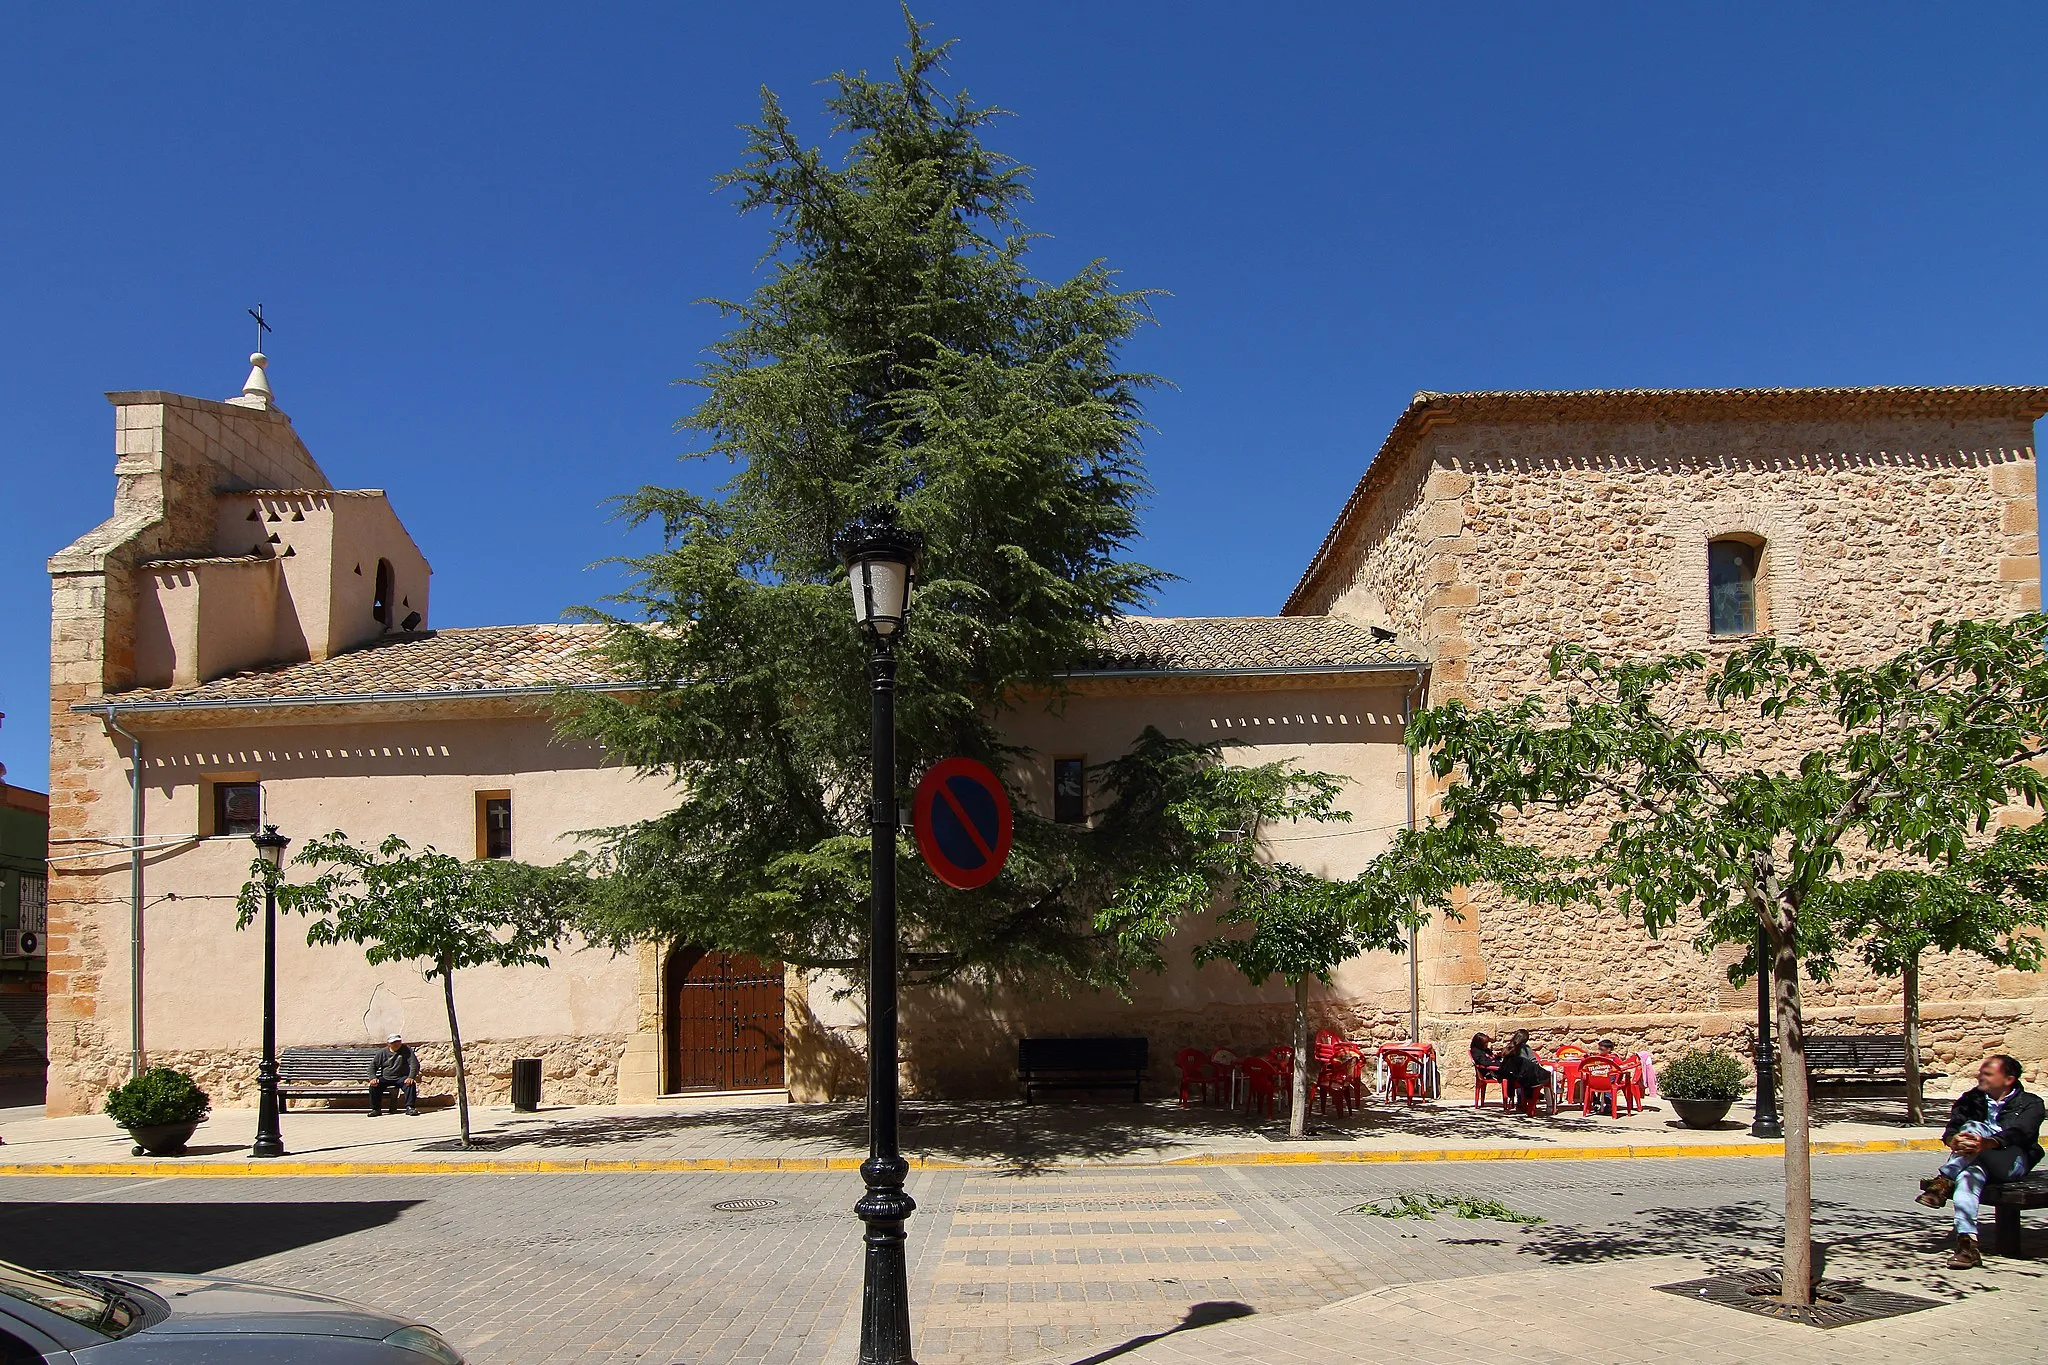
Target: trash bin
{"points": [[526, 1083]]}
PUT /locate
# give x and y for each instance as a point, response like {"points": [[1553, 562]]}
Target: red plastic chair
{"points": [[1602, 1075], [1327, 1045], [1260, 1083], [1570, 1056], [1341, 1080], [1632, 1074], [1479, 1090], [1194, 1074], [1407, 1073], [1418, 1056], [1224, 1076]]}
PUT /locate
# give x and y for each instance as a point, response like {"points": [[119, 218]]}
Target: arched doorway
{"points": [[721, 1020]]}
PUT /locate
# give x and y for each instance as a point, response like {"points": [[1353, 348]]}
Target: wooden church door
{"points": [[724, 1017]]}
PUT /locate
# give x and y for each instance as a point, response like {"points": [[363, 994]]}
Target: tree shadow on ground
{"points": [[1025, 1136], [1003, 1130], [178, 1238], [1741, 1235]]}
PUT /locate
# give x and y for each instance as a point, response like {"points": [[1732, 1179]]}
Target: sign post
{"points": [[963, 823]]}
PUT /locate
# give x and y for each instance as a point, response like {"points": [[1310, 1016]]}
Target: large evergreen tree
{"points": [[899, 353]]}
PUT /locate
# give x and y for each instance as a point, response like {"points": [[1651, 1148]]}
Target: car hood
{"points": [[215, 1307]]}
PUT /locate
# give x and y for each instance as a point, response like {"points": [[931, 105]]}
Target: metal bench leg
{"points": [[2009, 1237]]}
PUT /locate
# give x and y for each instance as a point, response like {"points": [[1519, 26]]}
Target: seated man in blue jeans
{"points": [[397, 1068], [1995, 1132]]}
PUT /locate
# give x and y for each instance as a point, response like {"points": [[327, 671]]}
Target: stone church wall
{"points": [[1533, 532]]}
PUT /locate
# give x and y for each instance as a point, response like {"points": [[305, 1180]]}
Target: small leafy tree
{"points": [[1992, 902], [424, 907], [1277, 919], [1907, 761]]}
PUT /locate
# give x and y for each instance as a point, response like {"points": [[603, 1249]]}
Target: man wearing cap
{"points": [[397, 1068]]}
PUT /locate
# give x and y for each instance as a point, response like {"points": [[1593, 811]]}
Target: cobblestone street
{"points": [[1066, 1265]]}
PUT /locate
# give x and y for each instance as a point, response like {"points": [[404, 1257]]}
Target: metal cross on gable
{"points": [[261, 325]]}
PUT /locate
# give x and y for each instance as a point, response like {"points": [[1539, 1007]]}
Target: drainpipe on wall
{"points": [[1408, 752], [135, 1053]]}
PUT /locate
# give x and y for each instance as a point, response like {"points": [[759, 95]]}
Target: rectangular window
{"points": [[494, 825], [1070, 791], [237, 808], [1731, 586]]}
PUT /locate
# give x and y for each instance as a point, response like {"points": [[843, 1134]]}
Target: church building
{"points": [[241, 643]]}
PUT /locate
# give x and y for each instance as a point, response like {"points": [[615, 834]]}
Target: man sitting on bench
{"points": [[1995, 1132], [397, 1068]]}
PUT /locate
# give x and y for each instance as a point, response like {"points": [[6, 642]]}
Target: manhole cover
{"points": [[745, 1205], [1838, 1303]]}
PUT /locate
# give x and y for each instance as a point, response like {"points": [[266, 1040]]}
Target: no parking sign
{"points": [[962, 820]]}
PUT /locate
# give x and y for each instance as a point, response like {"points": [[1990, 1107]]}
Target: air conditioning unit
{"points": [[21, 943]]}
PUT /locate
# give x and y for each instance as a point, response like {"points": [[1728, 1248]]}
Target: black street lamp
{"points": [[881, 562], [1766, 1124], [270, 846]]}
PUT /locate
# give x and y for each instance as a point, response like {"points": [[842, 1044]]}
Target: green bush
{"points": [[158, 1095], [1706, 1073]]}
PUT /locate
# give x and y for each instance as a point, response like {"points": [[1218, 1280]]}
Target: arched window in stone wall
{"points": [[1735, 585], [382, 606]]}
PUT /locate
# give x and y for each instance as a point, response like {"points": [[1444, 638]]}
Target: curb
{"points": [[218, 1170]]}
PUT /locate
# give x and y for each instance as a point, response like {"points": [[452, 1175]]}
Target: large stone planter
{"points": [[163, 1139], [1700, 1113]]}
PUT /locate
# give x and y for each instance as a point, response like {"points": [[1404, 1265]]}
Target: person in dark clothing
{"points": [[1484, 1063], [1526, 1077], [1995, 1132], [397, 1069]]}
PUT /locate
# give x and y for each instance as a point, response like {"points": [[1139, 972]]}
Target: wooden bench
{"points": [[325, 1073], [1082, 1064], [1858, 1059], [2008, 1198]]}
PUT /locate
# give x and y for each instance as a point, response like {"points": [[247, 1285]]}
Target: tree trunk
{"points": [[1797, 1263], [1910, 981], [455, 1041], [1297, 1097]]}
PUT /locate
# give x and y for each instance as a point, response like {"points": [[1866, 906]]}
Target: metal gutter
{"points": [[135, 1053], [1391, 666], [1414, 964]]}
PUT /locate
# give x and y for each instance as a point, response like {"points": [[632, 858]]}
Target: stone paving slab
{"points": [[1011, 1265], [1010, 1135], [1542, 1315]]}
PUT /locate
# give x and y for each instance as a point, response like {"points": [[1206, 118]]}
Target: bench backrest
{"points": [[1880, 1051], [327, 1063], [1083, 1054]]}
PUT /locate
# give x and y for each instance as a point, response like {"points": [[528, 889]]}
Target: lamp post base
{"points": [[885, 1285]]}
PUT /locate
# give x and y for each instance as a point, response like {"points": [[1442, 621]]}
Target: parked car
{"points": [[61, 1317]]}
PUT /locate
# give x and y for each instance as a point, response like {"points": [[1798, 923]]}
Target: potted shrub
{"points": [[1702, 1084], [160, 1108]]}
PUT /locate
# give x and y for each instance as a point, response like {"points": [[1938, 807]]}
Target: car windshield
{"points": [[87, 1301]]}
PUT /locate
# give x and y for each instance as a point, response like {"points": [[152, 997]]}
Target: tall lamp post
{"points": [[270, 846], [1766, 1124], [881, 563]]}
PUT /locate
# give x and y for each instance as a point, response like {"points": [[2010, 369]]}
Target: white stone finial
{"points": [[256, 388]]}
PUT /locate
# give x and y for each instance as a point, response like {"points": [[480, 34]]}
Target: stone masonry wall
{"points": [[1528, 533], [574, 1070]]}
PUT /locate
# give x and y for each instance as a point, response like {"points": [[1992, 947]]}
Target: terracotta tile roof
{"points": [[1236, 644], [428, 663], [434, 664], [2028, 402]]}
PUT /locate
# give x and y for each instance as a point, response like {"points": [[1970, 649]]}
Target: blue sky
{"points": [[479, 232]]}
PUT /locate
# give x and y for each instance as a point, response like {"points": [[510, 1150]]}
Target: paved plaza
{"points": [[1060, 1263], [1000, 1134]]}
